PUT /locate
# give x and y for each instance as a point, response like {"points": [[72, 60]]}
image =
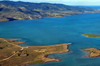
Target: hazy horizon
{"points": [[67, 2]]}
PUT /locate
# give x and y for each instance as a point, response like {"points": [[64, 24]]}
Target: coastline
{"points": [[92, 52], [36, 54], [39, 18], [57, 53], [65, 16]]}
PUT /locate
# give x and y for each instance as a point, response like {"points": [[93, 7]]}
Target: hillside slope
{"points": [[10, 10]]}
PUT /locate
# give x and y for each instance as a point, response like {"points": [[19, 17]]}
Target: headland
{"points": [[13, 54]]}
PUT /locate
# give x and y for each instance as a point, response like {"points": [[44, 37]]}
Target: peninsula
{"points": [[93, 52], [10, 10], [13, 54]]}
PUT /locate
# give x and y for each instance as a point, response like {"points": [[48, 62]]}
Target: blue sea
{"points": [[51, 31]]}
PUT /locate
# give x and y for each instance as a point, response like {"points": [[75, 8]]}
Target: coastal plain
{"points": [[13, 54]]}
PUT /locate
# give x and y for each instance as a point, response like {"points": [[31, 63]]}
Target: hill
{"points": [[10, 10]]}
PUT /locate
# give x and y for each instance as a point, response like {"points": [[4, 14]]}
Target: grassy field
{"points": [[92, 35], [12, 54]]}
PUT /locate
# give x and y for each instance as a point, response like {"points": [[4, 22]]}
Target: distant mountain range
{"points": [[10, 10]]}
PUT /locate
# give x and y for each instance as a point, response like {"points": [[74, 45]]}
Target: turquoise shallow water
{"points": [[51, 31]]}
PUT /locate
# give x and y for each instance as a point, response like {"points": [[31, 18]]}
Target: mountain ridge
{"points": [[10, 10]]}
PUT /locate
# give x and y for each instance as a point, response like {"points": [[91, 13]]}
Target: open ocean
{"points": [[51, 31]]}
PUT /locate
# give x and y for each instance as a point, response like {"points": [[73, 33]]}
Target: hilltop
{"points": [[10, 10]]}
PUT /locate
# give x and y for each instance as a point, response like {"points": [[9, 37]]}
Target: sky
{"points": [[67, 2]]}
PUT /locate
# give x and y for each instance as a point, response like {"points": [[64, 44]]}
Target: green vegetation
{"points": [[92, 35], [12, 54], [10, 10]]}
